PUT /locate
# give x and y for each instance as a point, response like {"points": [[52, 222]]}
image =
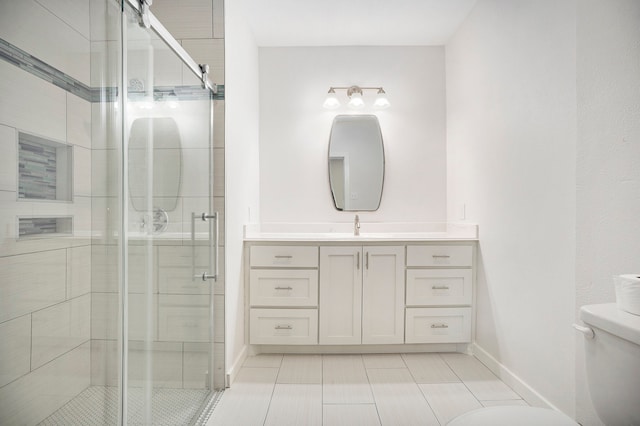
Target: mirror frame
{"points": [[333, 198]]}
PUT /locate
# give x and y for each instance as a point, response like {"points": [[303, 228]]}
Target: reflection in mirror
{"points": [[356, 162], [159, 135]]}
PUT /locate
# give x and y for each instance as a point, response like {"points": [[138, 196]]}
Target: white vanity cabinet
{"points": [[364, 292], [361, 295], [439, 293], [283, 295]]}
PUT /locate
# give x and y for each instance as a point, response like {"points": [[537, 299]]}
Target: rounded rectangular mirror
{"points": [[154, 144], [356, 162]]}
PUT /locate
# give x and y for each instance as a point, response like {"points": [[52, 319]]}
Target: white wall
{"points": [[511, 131], [294, 130], [241, 164], [608, 154]]}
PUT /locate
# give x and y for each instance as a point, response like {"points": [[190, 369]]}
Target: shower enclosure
{"points": [[109, 236]]}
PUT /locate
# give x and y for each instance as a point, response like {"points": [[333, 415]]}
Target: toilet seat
{"points": [[512, 415]]}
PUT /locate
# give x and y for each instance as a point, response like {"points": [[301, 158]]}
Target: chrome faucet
{"points": [[356, 226]]}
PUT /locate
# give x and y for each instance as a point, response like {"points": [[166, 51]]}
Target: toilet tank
{"points": [[612, 360]]}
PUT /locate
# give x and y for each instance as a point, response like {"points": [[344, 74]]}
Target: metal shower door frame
{"points": [[149, 21]]}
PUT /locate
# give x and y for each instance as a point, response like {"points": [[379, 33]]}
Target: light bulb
{"points": [[356, 100], [381, 101], [331, 101], [172, 100], [146, 104]]}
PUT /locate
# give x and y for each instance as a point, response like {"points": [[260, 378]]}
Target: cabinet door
{"points": [[383, 295], [340, 295]]}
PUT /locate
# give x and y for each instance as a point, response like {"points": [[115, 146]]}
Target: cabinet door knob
{"points": [[284, 288], [280, 256], [441, 256], [440, 287]]}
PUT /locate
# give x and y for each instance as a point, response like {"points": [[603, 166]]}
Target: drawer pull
{"points": [[439, 326], [440, 287], [283, 327], [441, 256], [284, 288], [283, 256]]}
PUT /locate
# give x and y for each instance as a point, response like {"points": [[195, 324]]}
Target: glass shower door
{"points": [[169, 246]]}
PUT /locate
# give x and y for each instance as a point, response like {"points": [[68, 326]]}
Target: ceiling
{"points": [[355, 22]]}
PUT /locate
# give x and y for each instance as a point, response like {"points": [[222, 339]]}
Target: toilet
{"points": [[612, 362]]}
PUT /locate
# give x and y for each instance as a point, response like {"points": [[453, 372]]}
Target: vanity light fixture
{"points": [[381, 100], [172, 100], [331, 101], [355, 97], [354, 93]]}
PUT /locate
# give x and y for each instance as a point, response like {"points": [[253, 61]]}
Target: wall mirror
{"points": [[154, 142], [356, 162]]}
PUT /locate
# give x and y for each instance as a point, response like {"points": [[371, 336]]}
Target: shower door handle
{"points": [[213, 245]]}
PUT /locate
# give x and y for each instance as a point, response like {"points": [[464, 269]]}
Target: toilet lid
{"points": [[512, 415]]}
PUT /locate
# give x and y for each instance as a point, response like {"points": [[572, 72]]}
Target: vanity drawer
{"points": [[284, 256], [438, 325], [444, 255], [428, 287], [283, 287], [284, 327]]}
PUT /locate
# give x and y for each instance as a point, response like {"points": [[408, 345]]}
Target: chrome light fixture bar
{"points": [[354, 93]]}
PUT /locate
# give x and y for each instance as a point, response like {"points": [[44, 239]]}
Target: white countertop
{"points": [[369, 232]]}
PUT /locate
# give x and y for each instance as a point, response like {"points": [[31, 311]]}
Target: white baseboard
{"points": [[236, 366], [527, 393], [356, 349]]}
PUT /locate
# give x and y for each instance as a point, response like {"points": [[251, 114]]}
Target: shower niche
{"points": [[44, 174], [44, 169], [44, 226]]}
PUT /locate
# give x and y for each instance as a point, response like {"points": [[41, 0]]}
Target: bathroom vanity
{"points": [[336, 290]]}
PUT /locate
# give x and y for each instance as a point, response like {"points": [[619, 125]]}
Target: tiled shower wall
{"points": [[45, 283], [58, 303]]}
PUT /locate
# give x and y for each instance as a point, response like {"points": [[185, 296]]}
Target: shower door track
{"points": [[166, 36]]}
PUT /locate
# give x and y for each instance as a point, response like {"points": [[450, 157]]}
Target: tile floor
{"points": [[393, 389]]}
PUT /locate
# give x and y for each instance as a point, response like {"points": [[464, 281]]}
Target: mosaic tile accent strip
{"points": [[32, 226], [35, 66], [44, 169], [37, 169]]}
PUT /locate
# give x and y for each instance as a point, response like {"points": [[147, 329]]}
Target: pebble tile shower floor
{"points": [[98, 405]]}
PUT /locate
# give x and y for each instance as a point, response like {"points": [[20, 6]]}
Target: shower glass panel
{"points": [[170, 234], [107, 229]]}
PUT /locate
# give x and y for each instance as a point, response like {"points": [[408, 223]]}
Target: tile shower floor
{"points": [[98, 405], [408, 389]]}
